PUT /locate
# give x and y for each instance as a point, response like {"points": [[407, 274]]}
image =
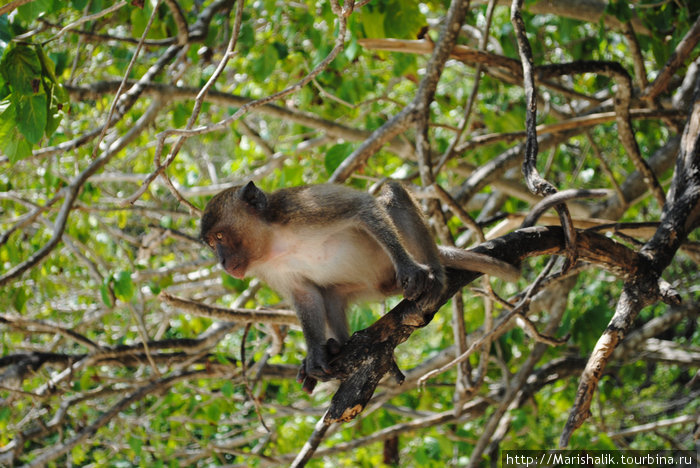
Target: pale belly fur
{"points": [[347, 258]]}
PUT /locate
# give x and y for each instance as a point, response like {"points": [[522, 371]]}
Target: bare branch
{"points": [[85, 19], [12, 6], [683, 50], [279, 317], [419, 106], [680, 215], [180, 22], [685, 419], [309, 448]]}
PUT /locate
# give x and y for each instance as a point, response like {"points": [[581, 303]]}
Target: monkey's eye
{"points": [[219, 236]]}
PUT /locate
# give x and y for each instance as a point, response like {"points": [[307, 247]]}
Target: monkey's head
{"points": [[232, 226]]}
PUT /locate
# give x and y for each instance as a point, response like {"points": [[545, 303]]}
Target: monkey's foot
{"points": [[415, 280], [421, 285], [307, 382], [318, 365]]}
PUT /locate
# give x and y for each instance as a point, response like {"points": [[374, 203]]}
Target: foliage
{"points": [[87, 342]]}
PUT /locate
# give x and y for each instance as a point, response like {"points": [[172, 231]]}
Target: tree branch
{"points": [[368, 355], [680, 215], [426, 90], [678, 57]]}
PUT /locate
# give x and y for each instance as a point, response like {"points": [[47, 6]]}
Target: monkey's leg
{"points": [[336, 318], [309, 304]]}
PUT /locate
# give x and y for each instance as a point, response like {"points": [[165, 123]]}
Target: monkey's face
{"points": [[232, 256], [234, 231]]}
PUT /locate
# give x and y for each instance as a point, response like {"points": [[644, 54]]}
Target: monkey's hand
{"points": [[421, 284]]}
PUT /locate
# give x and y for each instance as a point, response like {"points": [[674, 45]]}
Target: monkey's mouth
{"points": [[237, 270]]}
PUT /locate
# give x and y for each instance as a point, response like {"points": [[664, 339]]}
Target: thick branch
{"points": [[680, 215], [368, 355]]}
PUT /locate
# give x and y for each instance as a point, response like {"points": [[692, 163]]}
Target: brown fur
{"points": [[323, 246]]}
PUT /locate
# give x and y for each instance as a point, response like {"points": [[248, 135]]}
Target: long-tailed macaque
{"points": [[325, 246]]}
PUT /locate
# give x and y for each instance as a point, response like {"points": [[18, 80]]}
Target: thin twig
{"points": [[309, 448], [497, 329], [100, 14], [72, 190], [223, 124]]}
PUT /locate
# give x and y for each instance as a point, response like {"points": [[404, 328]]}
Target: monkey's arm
{"points": [[453, 257], [413, 278], [338, 207]]}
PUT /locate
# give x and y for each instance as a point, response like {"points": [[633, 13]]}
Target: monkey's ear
{"points": [[253, 196]]}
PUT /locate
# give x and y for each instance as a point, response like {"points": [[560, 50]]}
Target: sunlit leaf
{"points": [[336, 155], [31, 116], [21, 68], [12, 142], [123, 286]]}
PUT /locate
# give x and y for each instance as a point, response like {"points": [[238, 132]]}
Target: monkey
{"points": [[323, 247]]}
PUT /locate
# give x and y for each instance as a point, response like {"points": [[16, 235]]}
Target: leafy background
{"points": [[97, 369]]}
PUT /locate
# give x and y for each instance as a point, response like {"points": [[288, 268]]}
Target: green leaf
{"points": [[31, 116], [372, 21], [54, 114], [264, 65], [336, 155], [21, 68], [104, 293], [123, 286], [620, 10], [86, 380], [282, 49], [660, 50], [166, 222], [5, 34], [135, 444], [180, 114], [5, 413], [30, 11], [12, 143], [154, 288], [79, 4], [246, 38], [213, 413], [236, 284], [139, 19], [60, 60], [19, 299], [403, 19], [227, 389], [352, 50], [404, 64], [78, 454], [47, 66]]}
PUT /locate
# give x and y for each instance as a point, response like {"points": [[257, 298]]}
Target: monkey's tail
{"points": [[453, 257]]}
